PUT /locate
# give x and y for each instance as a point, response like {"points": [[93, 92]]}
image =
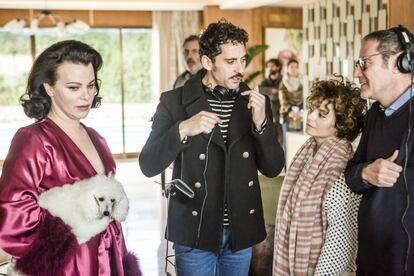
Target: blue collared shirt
{"points": [[399, 102]]}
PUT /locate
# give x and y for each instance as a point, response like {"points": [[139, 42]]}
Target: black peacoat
{"points": [[230, 171]]}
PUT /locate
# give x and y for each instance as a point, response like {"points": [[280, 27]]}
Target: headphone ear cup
{"points": [[220, 92], [403, 60], [403, 64]]}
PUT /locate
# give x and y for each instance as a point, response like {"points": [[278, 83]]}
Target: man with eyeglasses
{"points": [[382, 169]]}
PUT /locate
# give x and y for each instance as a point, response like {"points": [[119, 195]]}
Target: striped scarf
{"points": [[301, 221]]}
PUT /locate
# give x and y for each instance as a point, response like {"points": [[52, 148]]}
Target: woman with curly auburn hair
{"points": [[315, 231]]}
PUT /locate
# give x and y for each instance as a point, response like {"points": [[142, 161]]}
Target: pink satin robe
{"points": [[42, 156]]}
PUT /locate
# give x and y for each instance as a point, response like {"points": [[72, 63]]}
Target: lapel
{"points": [[78, 155], [195, 101], [240, 121], [103, 152]]}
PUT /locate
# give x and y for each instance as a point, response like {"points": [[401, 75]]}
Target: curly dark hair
{"points": [[35, 101], [218, 34], [348, 105]]}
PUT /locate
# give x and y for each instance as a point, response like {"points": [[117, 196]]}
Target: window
{"points": [[15, 63], [123, 118], [138, 105]]}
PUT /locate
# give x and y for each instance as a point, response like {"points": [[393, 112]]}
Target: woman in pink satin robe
{"points": [[56, 150]]}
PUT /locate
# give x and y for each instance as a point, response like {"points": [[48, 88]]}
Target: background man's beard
{"points": [[190, 62]]}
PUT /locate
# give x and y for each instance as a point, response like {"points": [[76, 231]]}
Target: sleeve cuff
{"points": [[184, 140], [364, 185], [54, 234], [262, 127]]}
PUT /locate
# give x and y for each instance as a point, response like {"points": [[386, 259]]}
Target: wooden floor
{"points": [[144, 227]]}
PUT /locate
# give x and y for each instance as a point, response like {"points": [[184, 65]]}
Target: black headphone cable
{"points": [[411, 64]]}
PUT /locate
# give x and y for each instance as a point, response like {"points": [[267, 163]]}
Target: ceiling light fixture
{"points": [[71, 26], [15, 25]]}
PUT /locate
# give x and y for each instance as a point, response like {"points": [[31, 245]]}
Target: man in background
{"points": [[270, 87], [192, 60]]}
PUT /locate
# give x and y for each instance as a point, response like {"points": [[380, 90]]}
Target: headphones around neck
{"points": [[405, 63], [222, 93]]}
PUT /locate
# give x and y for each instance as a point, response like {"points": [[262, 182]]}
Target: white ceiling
{"points": [[147, 4]]}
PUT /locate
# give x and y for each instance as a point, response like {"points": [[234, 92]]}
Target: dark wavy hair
{"points": [[190, 38], [292, 61], [35, 101], [348, 105], [275, 61], [218, 34]]}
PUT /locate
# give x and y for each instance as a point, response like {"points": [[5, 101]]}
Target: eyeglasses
{"points": [[362, 61]]}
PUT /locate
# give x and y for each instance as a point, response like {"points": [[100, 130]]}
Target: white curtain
{"points": [[170, 28]]}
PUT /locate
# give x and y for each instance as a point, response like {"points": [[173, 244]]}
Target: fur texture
{"points": [[53, 248], [131, 267], [87, 206], [262, 257]]}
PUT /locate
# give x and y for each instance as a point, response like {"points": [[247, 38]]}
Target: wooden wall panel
{"points": [[401, 12], [65, 15], [241, 18], [122, 18], [282, 17], [258, 38], [93, 18], [9, 14]]}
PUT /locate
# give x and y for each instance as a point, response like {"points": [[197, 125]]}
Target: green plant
{"points": [[252, 52]]}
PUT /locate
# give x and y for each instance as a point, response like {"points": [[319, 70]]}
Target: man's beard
{"points": [[192, 66], [190, 63]]}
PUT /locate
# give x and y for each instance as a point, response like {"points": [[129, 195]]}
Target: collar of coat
{"points": [[194, 100]]}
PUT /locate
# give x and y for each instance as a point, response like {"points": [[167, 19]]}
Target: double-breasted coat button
{"points": [[245, 154], [252, 211], [251, 183], [202, 156], [197, 185], [194, 213]]}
